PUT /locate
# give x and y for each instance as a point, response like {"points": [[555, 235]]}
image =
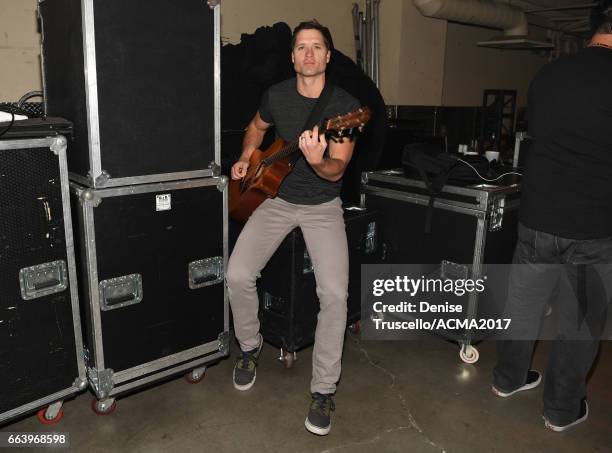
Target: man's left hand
{"points": [[313, 146]]}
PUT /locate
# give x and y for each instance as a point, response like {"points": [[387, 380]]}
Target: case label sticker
{"points": [[163, 202]]}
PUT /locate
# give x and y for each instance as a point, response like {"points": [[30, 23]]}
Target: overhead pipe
{"points": [[477, 12]]}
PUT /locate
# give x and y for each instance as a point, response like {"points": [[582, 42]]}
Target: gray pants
{"points": [[325, 236]]}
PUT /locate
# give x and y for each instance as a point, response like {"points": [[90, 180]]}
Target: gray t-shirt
{"points": [[288, 110]]}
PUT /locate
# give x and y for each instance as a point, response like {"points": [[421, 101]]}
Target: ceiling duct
{"points": [[510, 19]]}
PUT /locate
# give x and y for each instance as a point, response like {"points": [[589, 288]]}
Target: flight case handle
{"points": [[43, 279], [205, 272], [120, 292]]}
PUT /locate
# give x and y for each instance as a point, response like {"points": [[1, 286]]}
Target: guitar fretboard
{"points": [[285, 152]]}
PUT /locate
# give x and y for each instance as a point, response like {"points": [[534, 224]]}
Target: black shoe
{"points": [[582, 416], [245, 368], [319, 420], [533, 380]]}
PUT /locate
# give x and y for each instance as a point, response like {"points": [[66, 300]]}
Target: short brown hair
{"points": [[313, 25], [601, 17]]}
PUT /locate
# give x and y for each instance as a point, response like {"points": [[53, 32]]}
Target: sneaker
{"points": [[318, 420], [245, 368], [533, 380], [582, 416]]}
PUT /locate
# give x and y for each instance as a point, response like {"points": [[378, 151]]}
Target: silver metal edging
{"points": [[423, 200], [144, 179], [476, 195], [72, 276], [225, 258], [43, 66], [134, 384], [79, 178], [481, 196], [165, 362], [91, 87], [92, 279], [217, 81], [403, 181], [483, 199], [26, 144], [157, 187], [39, 403], [479, 246]]}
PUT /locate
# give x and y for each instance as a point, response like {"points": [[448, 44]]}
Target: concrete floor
{"points": [[393, 397]]}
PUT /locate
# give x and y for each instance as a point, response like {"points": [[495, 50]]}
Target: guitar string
{"points": [[288, 150], [293, 147]]}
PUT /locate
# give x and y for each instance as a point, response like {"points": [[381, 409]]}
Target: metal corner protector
{"points": [[224, 339]]}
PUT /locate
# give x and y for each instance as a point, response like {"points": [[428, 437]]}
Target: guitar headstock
{"points": [[346, 125]]}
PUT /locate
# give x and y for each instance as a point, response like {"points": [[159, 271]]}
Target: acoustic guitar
{"points": [[267, 169]]}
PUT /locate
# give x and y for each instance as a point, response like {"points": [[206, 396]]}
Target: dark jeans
{"points": [[540, 260]]}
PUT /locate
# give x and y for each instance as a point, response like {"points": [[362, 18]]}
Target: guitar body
{"points": [[267, 169], [261, 182]]}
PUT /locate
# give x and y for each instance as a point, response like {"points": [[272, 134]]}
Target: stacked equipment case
{"points": [[141, 82], [152, 279], [470, 226], [41, 351]]}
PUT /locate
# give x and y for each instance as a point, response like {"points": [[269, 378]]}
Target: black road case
{"points": [[140, 81], [41, 350], [152, 263], [470, 226], [288, 303]]}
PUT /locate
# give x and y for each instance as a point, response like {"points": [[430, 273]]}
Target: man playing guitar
{"points": [[309, 198]]}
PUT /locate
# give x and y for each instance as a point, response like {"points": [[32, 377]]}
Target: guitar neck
{"points": [[287, 151], [290, 149]]}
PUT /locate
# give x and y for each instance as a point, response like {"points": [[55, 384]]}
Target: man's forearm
{"points": [[252, 140], [330, 168]]}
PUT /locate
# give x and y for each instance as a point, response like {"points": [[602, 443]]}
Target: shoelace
{"points": [[323, 403], [245, 358]]}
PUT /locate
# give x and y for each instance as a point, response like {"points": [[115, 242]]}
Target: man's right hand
{"points": [[239, 169]]}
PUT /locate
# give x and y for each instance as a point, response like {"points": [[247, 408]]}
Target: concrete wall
{"points": [[422, 61], [244, 16], [469, 69], [19, 49], [420, 69]]}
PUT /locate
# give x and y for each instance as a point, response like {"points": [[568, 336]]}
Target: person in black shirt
{"points": [[308, 198], [565, 230]]}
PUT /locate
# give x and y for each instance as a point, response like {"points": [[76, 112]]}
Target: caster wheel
{"points": [[287, 358], [195, 376], [47, 418], [104, 407], [355, 328], [469, 354]]}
